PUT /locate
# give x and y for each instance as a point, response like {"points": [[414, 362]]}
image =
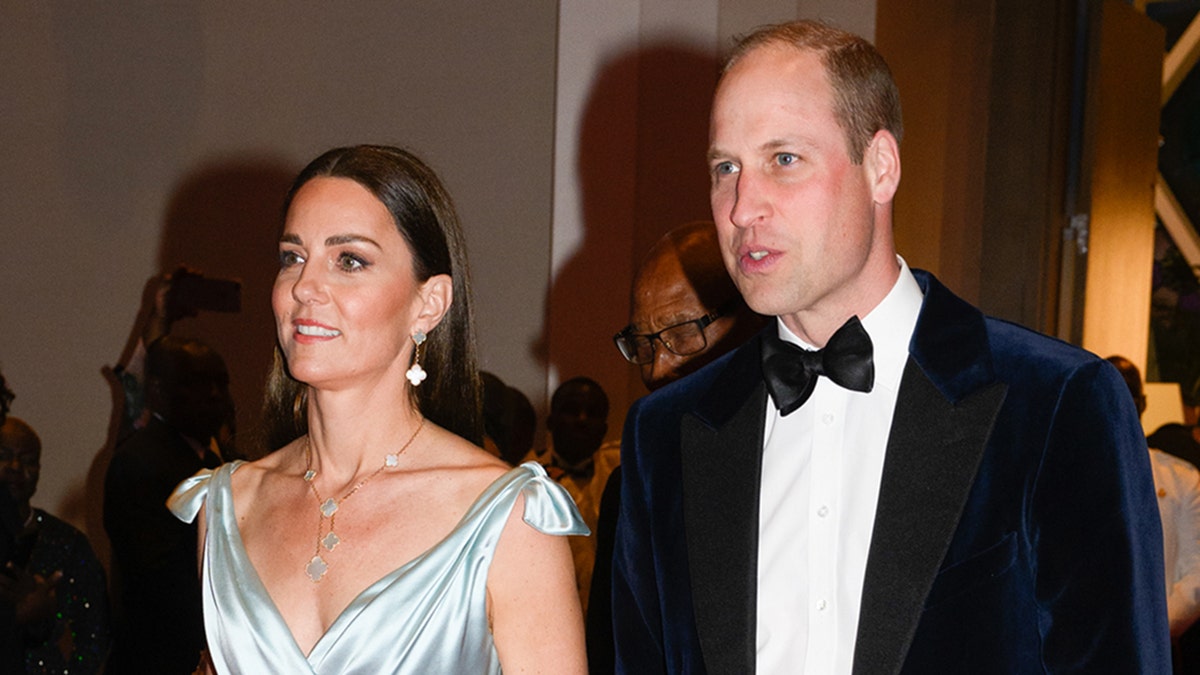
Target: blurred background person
{"points": [[509, 421], [11, 652], [51, 578], [685, 312], [577, 423], [685, 309], [6, 398], [158, 625], [1177, 483], [1180, 440], [169, 297]]}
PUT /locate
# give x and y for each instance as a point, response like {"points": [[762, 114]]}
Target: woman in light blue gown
{"points": [[380, 538]]}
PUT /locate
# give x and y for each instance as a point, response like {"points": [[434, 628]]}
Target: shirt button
{"points": [[821, 605], [823, 511], [827, 418]]}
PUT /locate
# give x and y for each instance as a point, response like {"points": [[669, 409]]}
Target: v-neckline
{"points": [[239, 550]]}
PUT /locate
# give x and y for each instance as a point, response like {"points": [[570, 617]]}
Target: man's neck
{"points": [[580, 469], [199, 447], [816, 324]]}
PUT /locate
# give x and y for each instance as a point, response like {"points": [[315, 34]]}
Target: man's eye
{"points": [[289, 258], [724, 168], [786, 159]]}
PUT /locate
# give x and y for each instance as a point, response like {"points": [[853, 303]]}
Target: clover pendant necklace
{"points": [[316, 568]]}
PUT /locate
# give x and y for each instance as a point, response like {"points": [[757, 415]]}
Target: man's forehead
{"points": [[669, 303], [17, 437], [770, 80], [670, 285], [774, 61], [24, 451]]}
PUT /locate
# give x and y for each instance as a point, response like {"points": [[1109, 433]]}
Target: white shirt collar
{"points": [[890, 325]]}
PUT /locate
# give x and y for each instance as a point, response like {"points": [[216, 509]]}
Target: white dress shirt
{"points": [[1178, 485], [820, 485]]}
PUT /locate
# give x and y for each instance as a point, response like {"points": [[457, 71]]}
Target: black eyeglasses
{"points": [[682, 339]]}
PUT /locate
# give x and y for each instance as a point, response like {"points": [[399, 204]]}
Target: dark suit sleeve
{"points": [[154, 555], [637, 620], [143, 532], [1095, 528], [599, 612]]}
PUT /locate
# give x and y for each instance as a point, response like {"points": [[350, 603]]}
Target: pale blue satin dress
{"points": [[429, 616]]}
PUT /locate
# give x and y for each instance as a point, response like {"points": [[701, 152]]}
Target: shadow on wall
{"points": [[641, 171], [222, 220], [225, 220]]}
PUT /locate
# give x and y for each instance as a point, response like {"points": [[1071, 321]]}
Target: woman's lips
{"points": [[312, 331], [317, 331]]}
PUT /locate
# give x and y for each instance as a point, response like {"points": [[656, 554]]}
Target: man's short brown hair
{"points": [[865, 95]]}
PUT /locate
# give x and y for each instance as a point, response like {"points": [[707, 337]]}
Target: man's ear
{"points": [[437, 293], [882, 160]]}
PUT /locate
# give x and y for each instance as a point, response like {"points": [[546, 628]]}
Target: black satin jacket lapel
{"points": [[721, 465], [946, 406]]}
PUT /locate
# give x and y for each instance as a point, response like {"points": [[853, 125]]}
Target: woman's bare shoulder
{"points": [[250, 476], [463, 468], [450, 450]]}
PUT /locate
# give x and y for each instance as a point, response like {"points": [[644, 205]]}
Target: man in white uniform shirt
{"points": [[884, 480], [1177, 483]]}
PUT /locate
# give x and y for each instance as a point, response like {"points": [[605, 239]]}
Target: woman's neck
{"points": [[350, 432]]}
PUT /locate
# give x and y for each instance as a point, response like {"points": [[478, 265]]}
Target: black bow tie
{"points": [[791, 371]]}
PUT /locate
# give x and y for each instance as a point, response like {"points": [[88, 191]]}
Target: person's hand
{"points": [[34, 597], [155, 308], [162, 307]]}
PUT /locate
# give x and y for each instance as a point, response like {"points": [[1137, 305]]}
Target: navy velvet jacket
{"points": [[1017, 529]]}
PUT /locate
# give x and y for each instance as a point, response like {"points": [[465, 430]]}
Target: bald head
{"points": [[1133, 380], [683, 279], [685, 261]]}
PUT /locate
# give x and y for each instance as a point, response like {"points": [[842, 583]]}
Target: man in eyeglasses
{"points": [[686, 310], [685, 313]]}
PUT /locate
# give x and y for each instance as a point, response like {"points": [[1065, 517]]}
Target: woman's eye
{"points": [[348, 262], [289, 258], [786, 159]]}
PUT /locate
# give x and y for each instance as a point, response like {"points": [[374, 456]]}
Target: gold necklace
{"points": [[316, 568]]}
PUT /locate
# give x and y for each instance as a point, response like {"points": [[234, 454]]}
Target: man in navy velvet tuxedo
{"points": [[932, 491]]}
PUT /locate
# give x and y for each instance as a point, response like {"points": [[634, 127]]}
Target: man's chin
{"points": [[20, 493]]}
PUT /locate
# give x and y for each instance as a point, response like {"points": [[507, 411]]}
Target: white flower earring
{"points": [[417, 374]]}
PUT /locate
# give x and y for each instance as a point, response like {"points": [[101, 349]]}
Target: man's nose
{"points": [[662, 368], [749, 201]]}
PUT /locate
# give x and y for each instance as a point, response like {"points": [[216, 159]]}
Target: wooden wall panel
{"points": [[1120, 164]]}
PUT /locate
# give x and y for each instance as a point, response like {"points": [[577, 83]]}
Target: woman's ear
{"points": [[436, 295]]}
